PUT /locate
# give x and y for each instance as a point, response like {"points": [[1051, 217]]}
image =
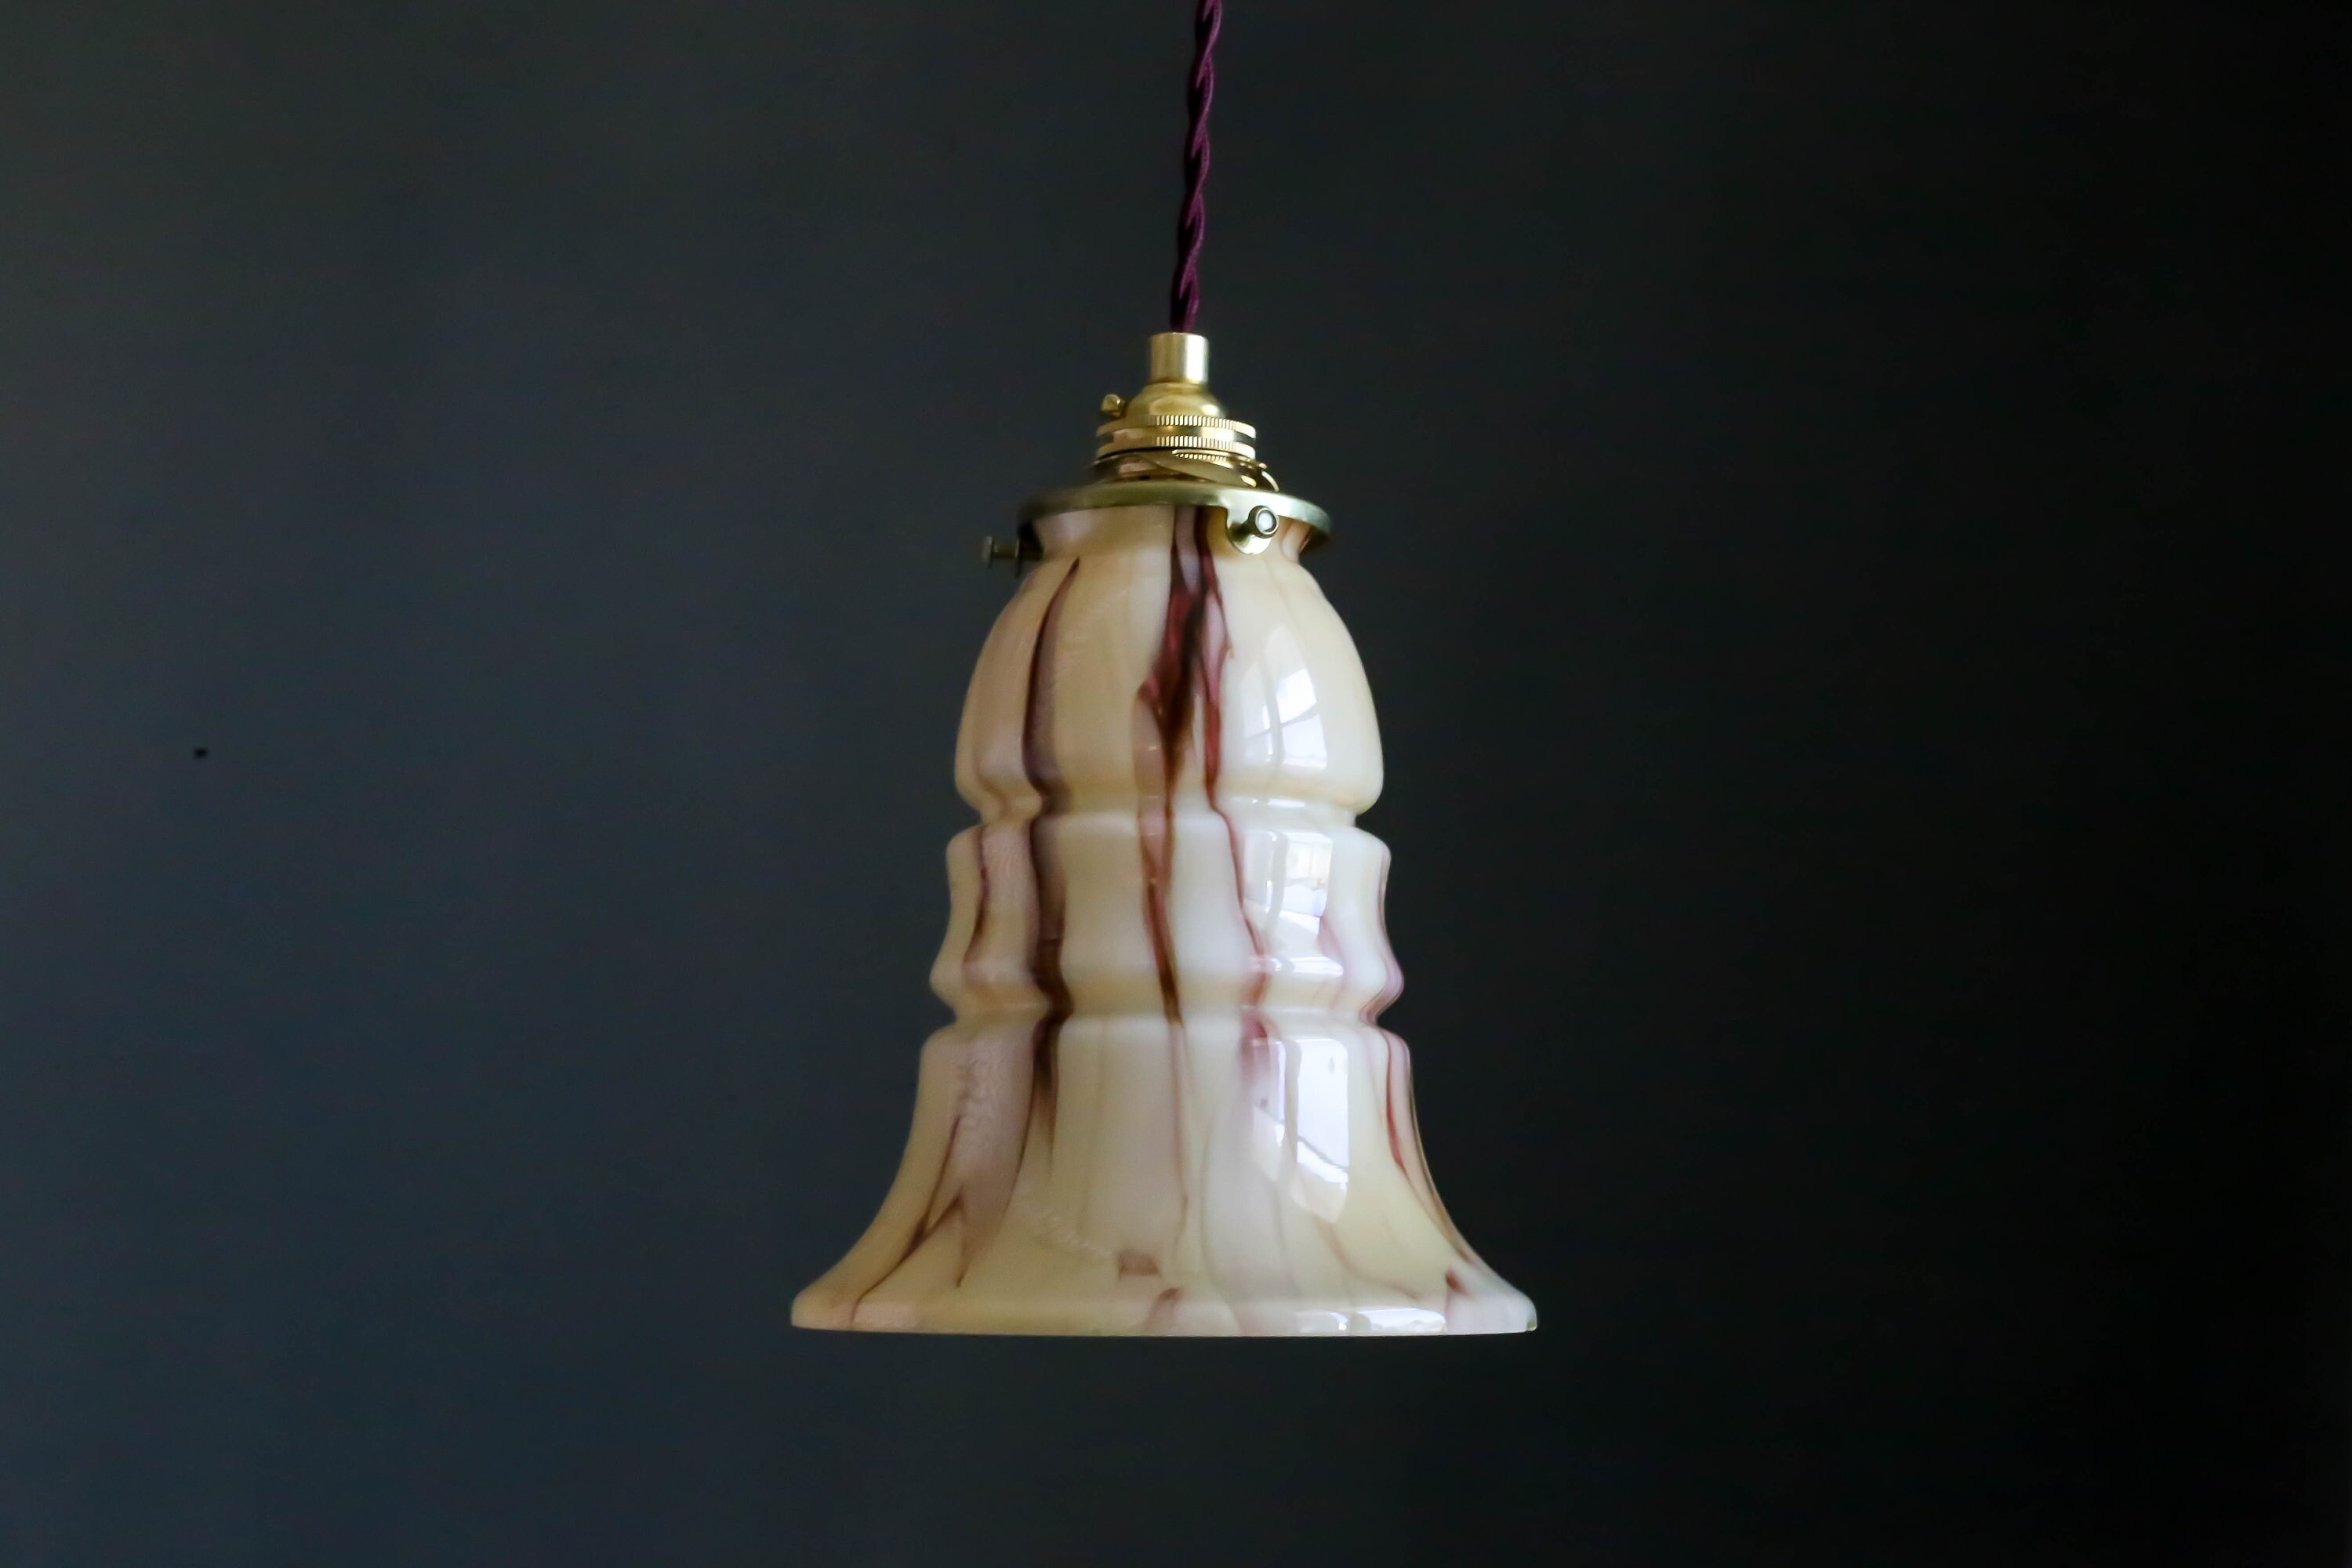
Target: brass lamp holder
{"points": [[1173, 444]]}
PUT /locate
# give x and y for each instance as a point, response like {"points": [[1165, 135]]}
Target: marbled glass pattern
{"points": [[1165, 1105]]}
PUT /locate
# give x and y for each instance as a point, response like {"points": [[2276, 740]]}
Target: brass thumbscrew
{"points": [[1254, 532], [994, 550]]}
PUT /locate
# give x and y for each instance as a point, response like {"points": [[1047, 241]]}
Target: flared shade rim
{"points": [[1493, 1311]]}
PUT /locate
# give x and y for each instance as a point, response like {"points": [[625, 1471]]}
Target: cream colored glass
{"points": [[1164, 1106]]}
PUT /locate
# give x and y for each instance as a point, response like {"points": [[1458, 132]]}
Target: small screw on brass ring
{"points": [[1254, 532], [994, 550]]}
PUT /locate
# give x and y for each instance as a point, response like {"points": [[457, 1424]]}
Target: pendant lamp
{"points": [[1165, 1105]]}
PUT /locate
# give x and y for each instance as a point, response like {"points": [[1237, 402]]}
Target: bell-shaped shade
{"points": [[1165, 1105]]}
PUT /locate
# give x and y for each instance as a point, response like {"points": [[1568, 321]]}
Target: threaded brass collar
{"points": [[1175, 428], [1172, 444]]}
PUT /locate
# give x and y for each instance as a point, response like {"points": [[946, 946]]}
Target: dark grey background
{"points": [[1841, 504]]}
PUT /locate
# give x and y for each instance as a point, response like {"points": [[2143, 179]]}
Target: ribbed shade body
{"points": [[1166, 1105]]}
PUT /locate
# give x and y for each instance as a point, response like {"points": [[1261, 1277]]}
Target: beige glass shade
{"points": [[1165, 1105]]}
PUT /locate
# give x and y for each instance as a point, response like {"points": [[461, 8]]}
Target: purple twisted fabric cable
{"points": [[1191, 219]]}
